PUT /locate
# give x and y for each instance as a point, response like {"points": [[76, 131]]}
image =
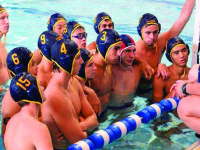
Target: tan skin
{"points": [[146, 49], [188, 108], [106, 24], [161, 88], [45, 72], [125, 79], [103, 78], [58, 29], [75, 115], [25, 131], [90, 94], [9, 107], [4, 27], [80, 42]]}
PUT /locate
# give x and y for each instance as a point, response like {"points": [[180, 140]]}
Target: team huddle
{"points": [[58, 93]]}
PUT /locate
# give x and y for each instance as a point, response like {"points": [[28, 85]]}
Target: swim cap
{"points": [[24, 87], [99, 18], [18, 60], [105, 40], [2, 9], [53, 20], [71, 27], [45, 41], [86, 56], [147, 19], [173, 43], [127, 42], [64, 53]]}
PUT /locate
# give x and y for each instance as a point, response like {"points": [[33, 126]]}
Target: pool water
{"points": [[28, 19]]}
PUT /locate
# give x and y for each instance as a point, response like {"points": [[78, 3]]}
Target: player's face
{"points": [[179, 55], [90, 69], [106, 24], [77, 64], [150, 34], [127, 57], [4, 22], [59, 27], [79, 37], [113, 54], [33, 68]]}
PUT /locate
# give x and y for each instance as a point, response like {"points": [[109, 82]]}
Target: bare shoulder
{"points": [[91, 46], [158, 81]]}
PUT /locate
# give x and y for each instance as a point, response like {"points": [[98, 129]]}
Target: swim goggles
{"points": [[81, 36]]}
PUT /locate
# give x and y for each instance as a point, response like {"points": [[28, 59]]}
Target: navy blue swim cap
{"points": [[99, 18], [45, 41], [147, 19], [53, 20], [2, 9], [86, 56], [25, 87], [70, 28], [64, 53], [173, 43], [18, 60], [105, 40]]}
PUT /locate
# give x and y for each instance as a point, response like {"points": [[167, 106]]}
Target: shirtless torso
{"points": [[162, 87], [151, 46], [45, 72], [4, 74], [31, 137], [124, 84], [72, 111]]}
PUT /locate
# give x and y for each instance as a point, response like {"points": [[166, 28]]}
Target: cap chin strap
{"points": [[4, 39], [181, 67]]}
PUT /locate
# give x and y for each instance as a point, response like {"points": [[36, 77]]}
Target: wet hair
{"points": [[22, 104]]}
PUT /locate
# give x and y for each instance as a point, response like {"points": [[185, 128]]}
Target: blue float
{"points": [[101, 138], [84, 144], [115, 131], [155, 110], [145, 116], [120, 128], [134, 121]]}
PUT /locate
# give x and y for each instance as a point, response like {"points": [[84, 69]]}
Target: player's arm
{"points": [[92, 47], [93, 99], [181, 21], [158, 89], [68, 125], [42, 138], [147, 70], [38, 56], [87, 112]]}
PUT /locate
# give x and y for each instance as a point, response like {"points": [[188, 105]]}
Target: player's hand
{"points": [[177, 87], [163, 71], [61, 138], [147, 70], [93, 100]]}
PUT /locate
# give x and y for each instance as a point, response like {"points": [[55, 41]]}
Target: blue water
{"points": [[28, 19]]}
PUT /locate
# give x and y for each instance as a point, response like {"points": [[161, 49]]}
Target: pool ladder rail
{"points": [[119, 129]]}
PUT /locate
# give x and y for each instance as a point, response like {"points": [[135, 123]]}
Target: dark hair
{"points": [[22, 104], [56, 67]]}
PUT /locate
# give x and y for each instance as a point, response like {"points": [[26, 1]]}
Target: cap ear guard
{"points": [[171, 44], [20, 68], [144, 21], [98, 19], [199, 74]]}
